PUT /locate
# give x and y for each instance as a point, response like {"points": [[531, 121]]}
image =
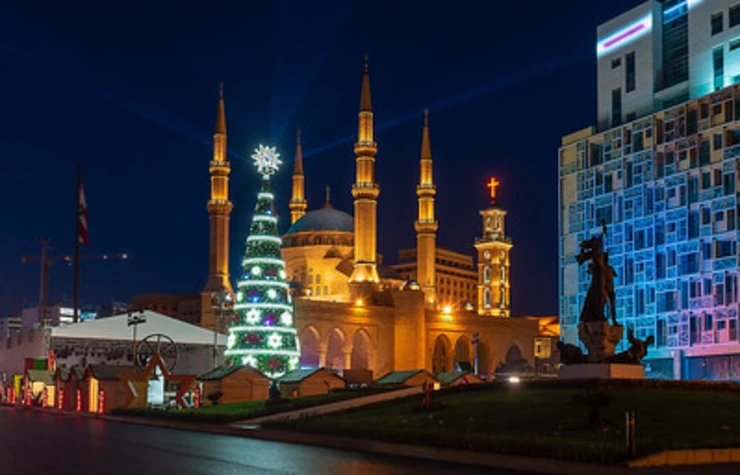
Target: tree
{"points": [[262, 335]]}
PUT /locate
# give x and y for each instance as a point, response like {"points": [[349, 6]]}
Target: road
{"points": [[41, 443]]}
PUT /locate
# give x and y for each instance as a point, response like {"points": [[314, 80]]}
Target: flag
{"points": [[82, 236]]}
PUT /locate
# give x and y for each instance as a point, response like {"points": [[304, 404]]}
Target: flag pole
{"points": [[76, 301]]}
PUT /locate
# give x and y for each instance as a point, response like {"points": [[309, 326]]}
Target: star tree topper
{"points": [[266, 159]]}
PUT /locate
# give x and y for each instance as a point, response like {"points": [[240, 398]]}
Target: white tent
{"points": [[116, 328]]}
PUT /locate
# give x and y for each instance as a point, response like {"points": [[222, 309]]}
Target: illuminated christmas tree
{"points": [[262, 335]]}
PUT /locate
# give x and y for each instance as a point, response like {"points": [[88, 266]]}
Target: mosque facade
{"points": [[439, 311]]}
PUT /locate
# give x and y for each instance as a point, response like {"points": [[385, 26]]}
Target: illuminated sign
{"points": [[625, 35]]}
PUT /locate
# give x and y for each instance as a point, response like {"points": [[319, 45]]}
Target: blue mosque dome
{"points": [[324, 219]]}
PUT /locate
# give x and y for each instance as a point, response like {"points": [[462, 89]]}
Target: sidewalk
{"points": [[329, 408]]}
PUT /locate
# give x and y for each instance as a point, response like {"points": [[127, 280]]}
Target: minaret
{"points": [[298, 202], [493, 260], [219, 206], [426, 225], [365, 192]]}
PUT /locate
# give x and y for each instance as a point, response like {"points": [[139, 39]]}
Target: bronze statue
{"points": [[570, 354], [601, 289], [636, 352], [609, 276]]}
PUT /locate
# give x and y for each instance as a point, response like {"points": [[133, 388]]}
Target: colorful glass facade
{"points": [[666, 186]]}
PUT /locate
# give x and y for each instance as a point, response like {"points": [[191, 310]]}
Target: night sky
{"points": [[129, 91]]}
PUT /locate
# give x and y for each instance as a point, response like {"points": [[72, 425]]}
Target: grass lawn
{"points": [[225, 413], [544, 421]]}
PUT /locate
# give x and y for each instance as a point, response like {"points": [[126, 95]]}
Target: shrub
{"points": [[595, 399], [215, 397]]}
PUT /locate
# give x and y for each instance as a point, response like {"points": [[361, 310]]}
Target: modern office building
{"points": [[661, 171]]}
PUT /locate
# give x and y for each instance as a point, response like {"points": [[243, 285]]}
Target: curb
{"points": [[687, 457]]}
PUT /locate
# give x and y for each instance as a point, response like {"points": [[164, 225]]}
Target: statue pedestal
{"points": [[602, 371], [600, 339]]}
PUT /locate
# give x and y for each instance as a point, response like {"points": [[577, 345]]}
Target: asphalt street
{"points": [[43, 443]]}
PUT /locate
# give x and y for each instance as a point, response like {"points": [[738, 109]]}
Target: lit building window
{"points": [[487, 298], [318, 278], [486, 275], [326, 290]]}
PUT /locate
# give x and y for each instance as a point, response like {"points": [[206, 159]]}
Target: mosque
{"points": [[435, 310]]}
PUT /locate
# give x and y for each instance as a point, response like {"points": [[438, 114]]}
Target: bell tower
{"points": [[493, 260]]}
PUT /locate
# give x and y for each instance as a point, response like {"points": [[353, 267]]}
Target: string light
{"points": [[263, 336], [255, 328], [274, 239]]}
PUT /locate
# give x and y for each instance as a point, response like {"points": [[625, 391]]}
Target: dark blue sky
{"points": [[129, 91]]}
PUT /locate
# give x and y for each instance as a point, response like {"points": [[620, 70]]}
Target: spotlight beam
{"points": [[531, 71]]}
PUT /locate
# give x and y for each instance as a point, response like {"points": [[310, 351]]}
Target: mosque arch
{"points": [[335, 343], [310, 353], [513, 353], [361, 351], [484, 357], [462, 355], [440, 352]]}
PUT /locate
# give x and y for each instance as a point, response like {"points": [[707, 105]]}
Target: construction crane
{"points": [[46, 262]]}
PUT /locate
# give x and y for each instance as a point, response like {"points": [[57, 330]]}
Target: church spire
{"points": [[426, 225], [298, 203], [365, 192]]}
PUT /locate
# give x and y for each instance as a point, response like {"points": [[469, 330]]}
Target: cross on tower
{"points": [[492, 185]]}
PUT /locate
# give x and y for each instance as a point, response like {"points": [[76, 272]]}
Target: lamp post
{"points": [[475, 342], [221, 300], [134, 319]]}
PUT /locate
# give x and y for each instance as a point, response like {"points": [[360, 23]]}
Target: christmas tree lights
{"points": [[263, 336]]}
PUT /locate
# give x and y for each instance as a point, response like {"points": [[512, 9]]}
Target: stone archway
{"points": [[440, 360], [484, 357], [310, 355], [462, 357], [514, 353], [361, 351], [336, 341]]}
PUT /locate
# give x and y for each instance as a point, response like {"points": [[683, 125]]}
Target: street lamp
{"points": [[221, 300], [133, 321], [475, 343]]}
